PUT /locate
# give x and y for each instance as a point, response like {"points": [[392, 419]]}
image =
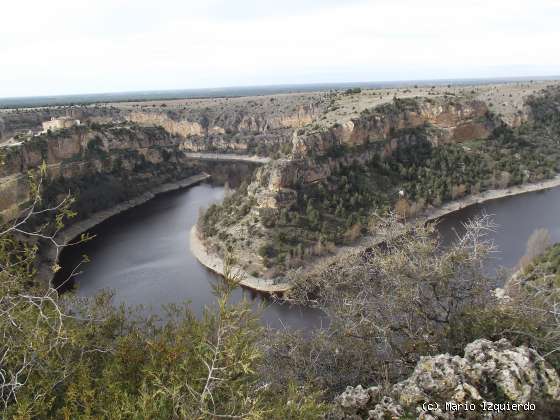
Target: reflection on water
{"points": [[144, 256], [517, 218]]}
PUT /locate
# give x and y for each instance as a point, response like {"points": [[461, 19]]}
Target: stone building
{"points": [[59, 123]]}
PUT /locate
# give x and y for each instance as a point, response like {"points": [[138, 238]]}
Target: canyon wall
{"points": [[127, 159], [377, 132], [287, 129], [246, 126], [229, 131], [75, 153], [451, 120]]}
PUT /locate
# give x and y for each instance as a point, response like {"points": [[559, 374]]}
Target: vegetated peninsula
{"points": [[409, 155]]}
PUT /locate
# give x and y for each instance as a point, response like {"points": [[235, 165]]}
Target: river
{"points": [[143, 254], [516, 217]]}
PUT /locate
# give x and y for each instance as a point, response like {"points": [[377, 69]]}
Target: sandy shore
{"points": [[82, 226], [216, 264]]}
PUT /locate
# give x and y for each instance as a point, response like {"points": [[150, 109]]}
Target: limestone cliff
{"points": [[282, 217], [81, 152], [237, 131], [377, 132], [452, 120]]}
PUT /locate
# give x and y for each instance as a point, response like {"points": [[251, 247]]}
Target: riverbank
{"points": [[216, 264], [456, 205], [73, 231]]}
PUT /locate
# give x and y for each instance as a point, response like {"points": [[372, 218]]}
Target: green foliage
{"points": [[529, 315], [427, 174], [233, 208], [400, 298], [394, 108], [545, 107], [546, 265], [82, 359], [97, 190], [267, 251], [95, 149]]}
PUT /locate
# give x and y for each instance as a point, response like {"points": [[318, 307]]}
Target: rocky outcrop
{"points": [[14, 191], [138, 156], [228, 130], [249, 132], [180, 128], [236, 125], [379, 132], [450, 120], [77, 152], [460, 387], [74, 144]]}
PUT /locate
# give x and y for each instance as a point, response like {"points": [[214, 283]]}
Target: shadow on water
{"points": [[143, 256]]}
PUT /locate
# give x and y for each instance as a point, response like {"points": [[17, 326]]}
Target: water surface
{"points": [[143, 256], [516, 217]]}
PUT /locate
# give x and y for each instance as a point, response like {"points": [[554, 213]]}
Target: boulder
{"points": [[495, 372]]}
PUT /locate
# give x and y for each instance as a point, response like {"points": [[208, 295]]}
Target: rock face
{"points": [[77, 152], [494, 372], [229, 129], [242, 125], [144, 156], [451, 121], [181, 128], [379, 132], [75, 144]]}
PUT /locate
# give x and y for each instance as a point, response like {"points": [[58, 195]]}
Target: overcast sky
{"points": [[74, 46]]}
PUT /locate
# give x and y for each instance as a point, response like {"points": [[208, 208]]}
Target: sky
{"points": [[74, 46]]}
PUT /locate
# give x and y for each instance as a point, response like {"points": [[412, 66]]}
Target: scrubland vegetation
{"points": [[64, 357], [388, 304], [400, 297]]}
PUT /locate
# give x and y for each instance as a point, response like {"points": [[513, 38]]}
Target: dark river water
{"points": [[516, 217], [143, 255]]}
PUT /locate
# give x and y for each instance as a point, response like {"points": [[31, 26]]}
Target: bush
{"points": [[85, 359]]}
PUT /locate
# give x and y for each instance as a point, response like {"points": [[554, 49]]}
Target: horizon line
{"points": [[295, 86]]}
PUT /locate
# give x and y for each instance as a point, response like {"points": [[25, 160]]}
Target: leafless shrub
{"points": [[388, 303], [32, 317]]}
